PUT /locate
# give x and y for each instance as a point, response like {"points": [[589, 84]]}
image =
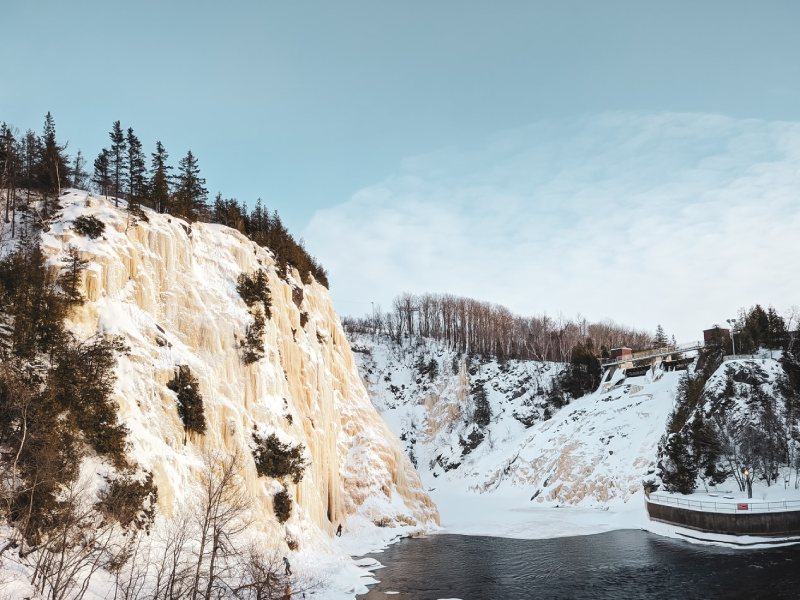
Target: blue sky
{"points": [[316, 105]]}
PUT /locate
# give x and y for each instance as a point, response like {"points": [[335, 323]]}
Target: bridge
{"points": [[651, 354]]}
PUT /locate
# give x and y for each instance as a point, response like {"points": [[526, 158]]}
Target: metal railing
{"points": [[730, 506], [652, 353]]}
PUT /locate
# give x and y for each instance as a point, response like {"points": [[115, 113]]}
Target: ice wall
{"points": [[169, 288]]}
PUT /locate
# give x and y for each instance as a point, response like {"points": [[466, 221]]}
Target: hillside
{"points": [[169, 290], [592, 455], [588, 453]]}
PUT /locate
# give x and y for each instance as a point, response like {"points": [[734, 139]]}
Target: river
{"points": [[616, 565]]}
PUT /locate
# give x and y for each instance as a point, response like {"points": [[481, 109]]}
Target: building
{"points": [[716, 336], [621, 353]]}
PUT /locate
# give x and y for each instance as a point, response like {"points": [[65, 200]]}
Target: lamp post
{"points": [[732, 323], [748, 481]]}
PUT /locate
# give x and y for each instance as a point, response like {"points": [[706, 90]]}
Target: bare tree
{"points": [[223, 515]]}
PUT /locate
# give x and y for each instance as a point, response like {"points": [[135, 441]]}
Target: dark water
{"points": [[616, 565]]}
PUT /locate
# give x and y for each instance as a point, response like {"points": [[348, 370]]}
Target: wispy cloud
{"points": [[677, 219]]}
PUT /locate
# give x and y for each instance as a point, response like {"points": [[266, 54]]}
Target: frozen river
{"points": [[614, 565]]}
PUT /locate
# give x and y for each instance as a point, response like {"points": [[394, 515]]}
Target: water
{"points": [[616, 565]]}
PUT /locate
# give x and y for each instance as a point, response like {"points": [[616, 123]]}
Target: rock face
{"points": [[169, 289], [593, 452]]}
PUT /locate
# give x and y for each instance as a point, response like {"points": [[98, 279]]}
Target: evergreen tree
{"points": [[191, 192], [70, 278], [275, 459], [33, 149], [677, 465], [661, 339], [117, 159], [9, 170], [190, 401], [777, 336], [136, 169], [482, 414], [160, 179], [102, 172], [79, 173], [53, 164]]}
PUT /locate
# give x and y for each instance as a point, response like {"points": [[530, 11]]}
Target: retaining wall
{"points": [[740, 523]]}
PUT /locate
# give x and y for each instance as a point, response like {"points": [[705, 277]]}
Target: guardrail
{"points": [[729, 507], [652, 353], [741, 356]]}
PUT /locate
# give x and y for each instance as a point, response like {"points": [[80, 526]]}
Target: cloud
{"points": [[677, 219]]}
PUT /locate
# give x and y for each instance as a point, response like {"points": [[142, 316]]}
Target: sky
{"points": [[623, 159]]}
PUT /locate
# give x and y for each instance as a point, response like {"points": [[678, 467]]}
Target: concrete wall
{"points": [[741, 523]]}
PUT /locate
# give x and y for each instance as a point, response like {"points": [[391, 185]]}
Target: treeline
{"points": [[757, 327], [476, 327], [38, 166]]}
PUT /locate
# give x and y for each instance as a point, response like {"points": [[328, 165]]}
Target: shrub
{"points": [[275, 459], [282, 505], [89, 226], [190, 401], [130, 502], [253, 343], [255, 288], [483, 410]]}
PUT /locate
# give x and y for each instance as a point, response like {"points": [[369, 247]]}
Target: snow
{"points": [[593, 453]]}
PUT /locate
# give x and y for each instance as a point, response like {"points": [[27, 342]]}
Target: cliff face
{"points": [[169, 289], [594, 452]]}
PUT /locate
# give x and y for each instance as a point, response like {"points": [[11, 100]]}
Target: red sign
{"points": [[741, 507]]}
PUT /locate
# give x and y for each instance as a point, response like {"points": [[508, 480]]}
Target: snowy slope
{"points": [[593, 453], [169, 289]]}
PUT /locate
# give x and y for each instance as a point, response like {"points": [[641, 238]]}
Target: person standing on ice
{"points": [[286, 564], [339, 530]]}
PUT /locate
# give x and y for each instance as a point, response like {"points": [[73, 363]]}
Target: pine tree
{"points": [[661, 339], [482, 414], [33, 149], [190, 401], [102, 172], [70, 278], [160, 179], [79, 173], [191, 193], [53, 164], [117, 159], [136, 169], [9, 169]]}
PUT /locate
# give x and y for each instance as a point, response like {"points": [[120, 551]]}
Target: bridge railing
{"points": [[654, 352], [730, 506]]}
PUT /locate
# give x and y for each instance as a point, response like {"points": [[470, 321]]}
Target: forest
{"points": [[37, 167], [482, 328]]}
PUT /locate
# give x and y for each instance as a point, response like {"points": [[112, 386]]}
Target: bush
{"points": [[483, 410], [275, 459], [130, 502], [253, 343], [255, 288], [282, 505], [89, 226], [190, 401]]}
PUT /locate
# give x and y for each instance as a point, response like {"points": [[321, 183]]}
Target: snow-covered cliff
{"points": [[169, 289], [594, 452]]}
